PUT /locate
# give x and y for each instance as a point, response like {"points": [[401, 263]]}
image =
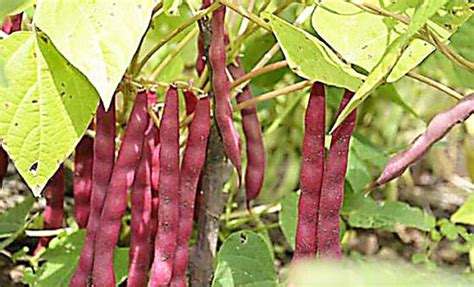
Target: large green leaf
{"points": [[46, 105], [310, 58], [391, 56], [14, 218], [97, 37], [365, 36], [62, 257], [244, 259], [465, 214], [364, 212]]}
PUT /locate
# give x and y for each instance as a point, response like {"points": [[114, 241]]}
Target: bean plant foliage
{"points": [[234, 143]]}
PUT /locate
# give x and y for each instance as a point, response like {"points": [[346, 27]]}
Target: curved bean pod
{"points": [[255, 171], [221, 90], [437, 128]]}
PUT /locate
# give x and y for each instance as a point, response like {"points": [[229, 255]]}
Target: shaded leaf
{"points": [[364, 212], [244, 259], [14, 218], [62, 257]]}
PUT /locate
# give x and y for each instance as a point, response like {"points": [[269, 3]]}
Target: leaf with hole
{"points": [[46, 106], [245, 259]]}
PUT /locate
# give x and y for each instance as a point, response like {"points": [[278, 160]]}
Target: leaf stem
{"points": [[199, 15], [273, 94], [430, 82], [258, 72]]}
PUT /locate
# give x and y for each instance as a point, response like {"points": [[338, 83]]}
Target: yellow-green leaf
{"points": [[46, 106], [97, 37]]}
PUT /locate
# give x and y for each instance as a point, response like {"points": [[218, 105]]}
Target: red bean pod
{"points": [[54, 211], [115, 202], [193, 162], [3, 164], [12, 24], [255, 171], [312, 171], [437, 128], [221, 90], [141, 200], [104, 156], [83, 162], [332, 191], [168, 186], [155, 175]]}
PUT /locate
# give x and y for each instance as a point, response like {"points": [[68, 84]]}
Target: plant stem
{"points": [[212, 205], [273, 94], [249, 15], [166, 61], [177, 31], [430, 82], [257, 72]]}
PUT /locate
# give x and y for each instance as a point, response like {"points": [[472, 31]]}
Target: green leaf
{"points": [[391, 56], [62, 257], [364, 212], [288, 216], [358, 174], [46, 106], [14, 218], [171, 7], [97, 37], [311, 59], [465, 213], [366, 36], [244, 259]]}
